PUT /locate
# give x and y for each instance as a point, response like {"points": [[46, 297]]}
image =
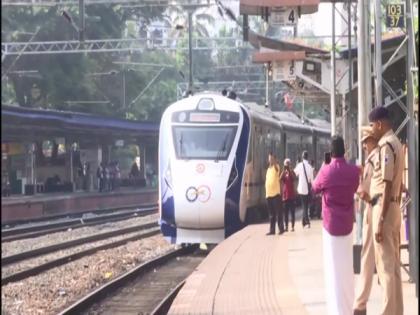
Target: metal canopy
{"points": [[25, 123], [256, 7], [265, 56]]}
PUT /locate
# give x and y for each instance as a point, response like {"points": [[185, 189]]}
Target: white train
{"points": [[212, 163]]}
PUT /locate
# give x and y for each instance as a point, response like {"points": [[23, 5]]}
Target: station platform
{"points": [[20, 207], [252, 273]]}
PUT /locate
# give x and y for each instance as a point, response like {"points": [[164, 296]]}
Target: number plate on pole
{"points": [[284, 70], [281, 16], [395, 13]]}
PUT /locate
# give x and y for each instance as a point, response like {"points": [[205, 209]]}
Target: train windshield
{"points": [[203, 143]]}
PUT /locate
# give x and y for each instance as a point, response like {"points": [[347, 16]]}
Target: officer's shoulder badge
{"points": [[386, 158]]}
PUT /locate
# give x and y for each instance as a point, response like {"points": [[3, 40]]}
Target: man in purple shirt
{"points": [[338, 182]]}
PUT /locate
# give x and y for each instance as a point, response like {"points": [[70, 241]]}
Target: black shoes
{"points": [[270, 233], [306, 223]]}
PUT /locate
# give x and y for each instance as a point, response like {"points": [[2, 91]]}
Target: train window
{"points": [[307, 145], [205, 143], [292, 146]]}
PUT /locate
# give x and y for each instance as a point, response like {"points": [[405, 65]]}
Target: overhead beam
{"points": [[146, 3], [110, 45]]}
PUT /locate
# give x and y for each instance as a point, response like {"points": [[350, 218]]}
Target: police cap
{"points": [[379, 113], [367, 132]]}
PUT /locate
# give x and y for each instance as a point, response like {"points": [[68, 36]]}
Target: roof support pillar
{"points": [[413, 146], [378, 53], [333, 76], [364, 67]]}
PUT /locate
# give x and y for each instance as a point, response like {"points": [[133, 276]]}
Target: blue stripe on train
{"points": [[232, 220], [167, 223]]}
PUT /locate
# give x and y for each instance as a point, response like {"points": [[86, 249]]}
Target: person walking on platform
{"points": [[338, 181], [305, 174], [367, 265], [385, 190], [287, 178], [272, 194]]}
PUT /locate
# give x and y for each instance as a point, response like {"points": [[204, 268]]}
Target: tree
{"points": [[64, 77]]}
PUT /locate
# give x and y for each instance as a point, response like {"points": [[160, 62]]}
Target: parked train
{"points": [[212, 163]]}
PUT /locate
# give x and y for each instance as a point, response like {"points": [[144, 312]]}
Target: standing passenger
{"points": [[272, 193], [117, 175], [385, 190], [100, 176], [338, 181], [304, 172], [288, 179], [367, 264], [107, 176]]}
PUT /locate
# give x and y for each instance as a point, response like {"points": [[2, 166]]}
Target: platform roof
{"points": [[19, 122], [388, 41], [256, 7], [269, 56]]}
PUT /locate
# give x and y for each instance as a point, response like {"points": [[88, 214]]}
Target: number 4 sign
{"points": [[281, 16]]}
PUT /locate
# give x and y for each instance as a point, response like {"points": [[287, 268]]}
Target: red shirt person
{"points": [[288, 178]]}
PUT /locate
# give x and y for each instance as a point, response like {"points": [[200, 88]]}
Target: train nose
{"points": [[200, 202]]}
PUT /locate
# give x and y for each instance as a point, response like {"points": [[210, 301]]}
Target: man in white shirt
{"points": [[305, 174]]}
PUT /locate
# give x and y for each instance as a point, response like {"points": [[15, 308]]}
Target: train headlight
{"points": [[205, 104], [182, 116]]}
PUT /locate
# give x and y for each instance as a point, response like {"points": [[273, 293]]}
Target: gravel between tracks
{"points": [[52, 291], [18, 246], [30, 263]]}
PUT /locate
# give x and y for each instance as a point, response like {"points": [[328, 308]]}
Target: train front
{"points": [[203, 144]]}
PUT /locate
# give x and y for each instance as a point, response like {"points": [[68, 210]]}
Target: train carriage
{"points": [[212, 162]]}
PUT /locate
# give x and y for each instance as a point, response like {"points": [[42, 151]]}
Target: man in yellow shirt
{"points": [[272, 194]]}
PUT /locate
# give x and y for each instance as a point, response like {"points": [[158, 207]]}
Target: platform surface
{"points": [[252, 273]]}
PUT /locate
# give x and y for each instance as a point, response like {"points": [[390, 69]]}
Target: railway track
{"points": [[8, 235], [72, 215], [22, 274], [147, 289]]}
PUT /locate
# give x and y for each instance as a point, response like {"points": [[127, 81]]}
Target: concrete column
{"points": [[413, 158], [364, 67], [333, 76]]}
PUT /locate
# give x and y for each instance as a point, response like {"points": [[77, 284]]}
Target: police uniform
{"points": [[367, 254], [388, 167]]}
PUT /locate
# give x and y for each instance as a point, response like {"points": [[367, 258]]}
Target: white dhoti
{"points": [[338, 273]]}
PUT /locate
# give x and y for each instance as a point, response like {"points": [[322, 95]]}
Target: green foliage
{"points": [[76, 81]]}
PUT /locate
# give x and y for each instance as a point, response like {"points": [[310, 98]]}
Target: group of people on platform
{"points": [[281, 194], [109, 176], [379, 184]]}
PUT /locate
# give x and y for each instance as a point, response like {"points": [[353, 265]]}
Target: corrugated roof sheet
{"points": [[76, 119]]}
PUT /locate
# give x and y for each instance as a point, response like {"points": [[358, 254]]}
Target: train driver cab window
{"points": [[206, 143]]}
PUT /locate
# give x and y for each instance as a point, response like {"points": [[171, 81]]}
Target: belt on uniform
{"points": [[376, 198], [395, 199]]}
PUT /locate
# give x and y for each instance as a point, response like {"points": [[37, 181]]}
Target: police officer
{"points": [[367, 269], [385, 192]]}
